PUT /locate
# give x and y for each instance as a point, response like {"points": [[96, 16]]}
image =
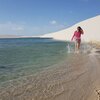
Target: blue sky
{"points": [[34, 17]]}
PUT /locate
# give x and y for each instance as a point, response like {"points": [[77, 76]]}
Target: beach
{"points": [[50, 50], [75, 78]]}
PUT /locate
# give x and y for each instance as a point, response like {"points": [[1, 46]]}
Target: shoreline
{"points": [[75, 78]]}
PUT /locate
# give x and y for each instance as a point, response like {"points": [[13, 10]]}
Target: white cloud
{"points": [[18, 28], [24, 29], [11, 28], [53, 22], [56, 25]]}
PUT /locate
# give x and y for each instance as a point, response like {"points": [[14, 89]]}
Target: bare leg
{"points": [[77, 45]]}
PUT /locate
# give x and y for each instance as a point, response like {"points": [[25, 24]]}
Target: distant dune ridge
{"points": [[90, 26], [9, 36]]}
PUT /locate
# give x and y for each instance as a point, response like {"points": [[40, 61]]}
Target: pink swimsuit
{"points": [[77, 35]]}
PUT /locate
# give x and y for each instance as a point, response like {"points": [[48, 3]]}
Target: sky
{"points": [[37, 17]]}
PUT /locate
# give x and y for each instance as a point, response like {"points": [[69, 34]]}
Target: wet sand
{"points": [[76, 78]]}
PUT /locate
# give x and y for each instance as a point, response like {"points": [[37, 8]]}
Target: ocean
{"points": [[26, 56]]}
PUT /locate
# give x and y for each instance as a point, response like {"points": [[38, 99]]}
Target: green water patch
{"points": [[23, 60]]}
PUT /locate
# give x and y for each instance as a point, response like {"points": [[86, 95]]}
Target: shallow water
{"points": [[41, 69], [23, 57]]}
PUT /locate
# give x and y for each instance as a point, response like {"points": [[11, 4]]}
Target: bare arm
{"points": [[73, 36]]}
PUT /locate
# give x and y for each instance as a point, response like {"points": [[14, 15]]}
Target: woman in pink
{"points": [[77, 37]]}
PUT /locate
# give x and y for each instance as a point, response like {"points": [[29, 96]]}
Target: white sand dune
{"points": [[90, 26]]}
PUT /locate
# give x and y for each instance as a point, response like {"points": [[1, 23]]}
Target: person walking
{"points": [[77, 38]]}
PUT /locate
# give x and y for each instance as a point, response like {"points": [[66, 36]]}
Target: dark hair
{"points": [[79, 29]]}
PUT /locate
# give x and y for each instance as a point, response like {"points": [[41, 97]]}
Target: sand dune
{"points": [[90, 27]]}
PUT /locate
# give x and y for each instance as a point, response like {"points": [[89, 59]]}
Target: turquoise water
{"points": [[26, 56]]}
